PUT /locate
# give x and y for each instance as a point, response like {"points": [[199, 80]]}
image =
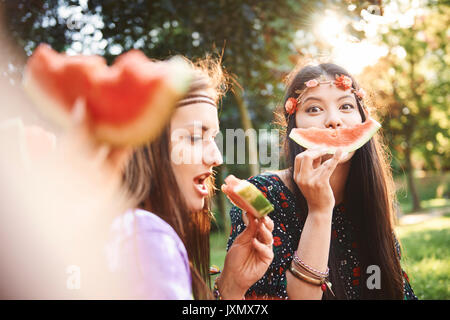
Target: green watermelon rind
{"points": [[355, 146], [254, 197]]}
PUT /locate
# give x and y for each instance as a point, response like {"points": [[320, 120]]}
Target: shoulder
{"points": [[275, 190], [265, 180], [137, 221], [148, 252], [150, 233], [146, 248], [274, 185]]}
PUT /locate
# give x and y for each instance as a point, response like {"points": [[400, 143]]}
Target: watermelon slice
{"points": [[247, 196], [126, 103], [349, 139]]}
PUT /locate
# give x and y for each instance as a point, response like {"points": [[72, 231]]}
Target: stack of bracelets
{"points": [[311, 276]]}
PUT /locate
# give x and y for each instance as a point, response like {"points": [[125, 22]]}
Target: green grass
{"points": [[218, 243], [426, 257], [427, 205], [425, 249]]}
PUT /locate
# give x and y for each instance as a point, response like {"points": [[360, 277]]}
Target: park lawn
{"points": [[218, 243], [425, 256]]}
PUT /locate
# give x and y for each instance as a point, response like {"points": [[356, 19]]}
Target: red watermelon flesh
{"points": [[348, 139], [122, 85], [127, 103], [63, 77]]}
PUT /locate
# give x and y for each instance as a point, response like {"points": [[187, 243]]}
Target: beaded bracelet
{"points": [[216, 291], [304, 277], [318, 273], [322, 282]]}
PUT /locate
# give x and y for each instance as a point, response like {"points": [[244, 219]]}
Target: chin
{"points": [[196, 204]]}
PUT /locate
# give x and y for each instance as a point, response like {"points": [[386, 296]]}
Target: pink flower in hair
{"points": [[291, 105], [312, 83]]}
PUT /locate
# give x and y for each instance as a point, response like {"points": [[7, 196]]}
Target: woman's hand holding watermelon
{"points": [[313, 178]]}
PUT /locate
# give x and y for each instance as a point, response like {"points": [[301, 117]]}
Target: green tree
{"points": [[414, 79], [254, 38]]}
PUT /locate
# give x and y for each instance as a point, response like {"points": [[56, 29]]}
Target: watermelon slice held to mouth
{"points": [[127, 103], [348, 139]]}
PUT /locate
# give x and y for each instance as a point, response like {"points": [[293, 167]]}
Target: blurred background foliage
{"points": [[397, 49]]}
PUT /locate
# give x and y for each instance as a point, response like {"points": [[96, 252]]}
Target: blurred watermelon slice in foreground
{"points": [[127, 103], [349, 139]]}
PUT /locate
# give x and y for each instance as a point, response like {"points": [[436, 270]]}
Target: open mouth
{"points": [[200, 184]]}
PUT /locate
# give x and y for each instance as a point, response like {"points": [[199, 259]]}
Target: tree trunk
{"points": [[410, 179], [409, 130], [246, 122]]}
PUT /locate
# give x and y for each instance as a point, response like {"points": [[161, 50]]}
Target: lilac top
{"points": [[148, 252]]}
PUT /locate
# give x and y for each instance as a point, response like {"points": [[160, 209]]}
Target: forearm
{"points": [[313, 249]]}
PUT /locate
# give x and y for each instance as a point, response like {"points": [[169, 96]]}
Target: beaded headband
{"points": [[342, 82]]}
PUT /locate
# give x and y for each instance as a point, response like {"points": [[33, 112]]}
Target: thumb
{"points": [[251, 229]]}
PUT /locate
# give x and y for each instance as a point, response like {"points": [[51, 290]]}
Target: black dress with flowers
{"points": [[286, 236]]}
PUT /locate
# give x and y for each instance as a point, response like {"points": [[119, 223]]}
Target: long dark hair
{"points": [[151, 181], [369, 196]]}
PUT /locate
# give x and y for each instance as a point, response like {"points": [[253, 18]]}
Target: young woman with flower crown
{"points": [[333, 229]]}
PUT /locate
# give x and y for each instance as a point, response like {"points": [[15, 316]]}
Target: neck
{"points": [[338, 180]]}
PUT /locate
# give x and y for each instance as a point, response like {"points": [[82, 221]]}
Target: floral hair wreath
{"points": [[342, 82]]}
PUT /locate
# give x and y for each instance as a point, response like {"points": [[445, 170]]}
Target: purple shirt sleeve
{"points": [[148, 252]]}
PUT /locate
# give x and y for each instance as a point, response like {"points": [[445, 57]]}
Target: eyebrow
{"points": [[319, 99], [196, 125]]}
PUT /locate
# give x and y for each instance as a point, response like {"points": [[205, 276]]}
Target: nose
{"points": [[212, 155], [333, 120]]}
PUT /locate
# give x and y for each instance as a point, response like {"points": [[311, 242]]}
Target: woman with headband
{"points": [[163, 245]]}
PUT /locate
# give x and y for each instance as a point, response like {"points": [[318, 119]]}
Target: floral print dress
{"points": [[286, 236]]}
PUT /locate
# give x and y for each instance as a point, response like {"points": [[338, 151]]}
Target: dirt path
{"points": [[413, 218]]}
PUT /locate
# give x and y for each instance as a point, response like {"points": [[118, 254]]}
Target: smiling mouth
{"points": [[200, 184]]}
